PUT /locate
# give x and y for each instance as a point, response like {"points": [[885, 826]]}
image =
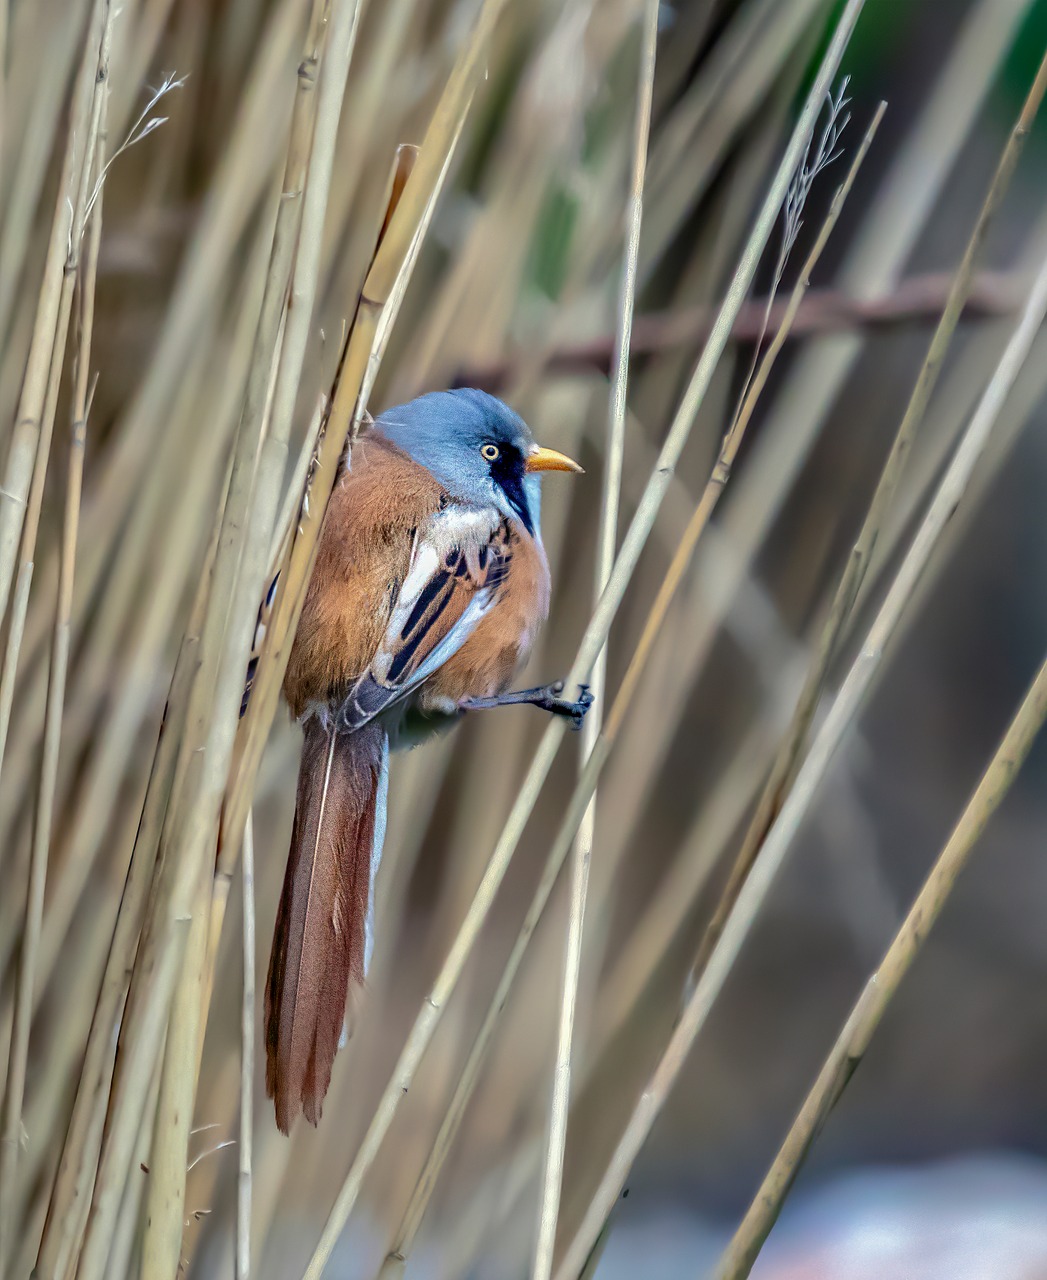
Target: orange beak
{"points": [[550, 460]]}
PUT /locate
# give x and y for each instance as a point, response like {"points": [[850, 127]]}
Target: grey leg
{"points": [[546, 697]]}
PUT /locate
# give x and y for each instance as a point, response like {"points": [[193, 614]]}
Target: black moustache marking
{"points": [[507, 471]]}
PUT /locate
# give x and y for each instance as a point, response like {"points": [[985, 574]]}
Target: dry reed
{"points": [[343, 205]]}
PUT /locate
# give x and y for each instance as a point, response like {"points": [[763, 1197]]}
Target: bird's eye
{"points": [[490, 451]]}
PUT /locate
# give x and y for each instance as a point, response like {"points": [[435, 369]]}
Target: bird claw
{"points": [[585, 700], [564, 706]]}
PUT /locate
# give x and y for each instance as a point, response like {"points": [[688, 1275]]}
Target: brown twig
{"points": [[917, 300]]}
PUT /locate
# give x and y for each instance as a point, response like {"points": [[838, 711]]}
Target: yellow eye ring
{"points": [[490, 451]]}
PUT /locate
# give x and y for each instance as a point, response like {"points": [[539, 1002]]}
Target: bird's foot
{"points": [[549, 699], [546, 697]]}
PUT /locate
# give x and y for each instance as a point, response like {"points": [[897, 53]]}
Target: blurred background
{"points": [[935, 1162]]}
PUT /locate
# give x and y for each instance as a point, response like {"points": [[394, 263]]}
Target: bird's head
{"points": [[477, 447]]}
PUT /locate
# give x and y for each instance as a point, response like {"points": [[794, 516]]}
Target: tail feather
{"points": [[322, 940]]}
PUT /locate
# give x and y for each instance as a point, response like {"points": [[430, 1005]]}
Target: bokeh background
{"points": [[934, 1164]]}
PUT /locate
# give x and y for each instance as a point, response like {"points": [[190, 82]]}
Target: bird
{"points": [[429, 586]]}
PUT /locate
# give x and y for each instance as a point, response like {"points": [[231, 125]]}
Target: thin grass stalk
{"points": [[367, 130], [634, 978], [288, 517], [113, 760], [362, 374], [242, 175], [552, 1180], [165, 1192], [675, 190], [729, 59], [529, 1156], [10, 1139], [81, 402], [895, 218], [301, 299], [840, 716], [484, 280], [26, 515], [788, 758], [54, 1083], [138, 895], [270, 325], [219, 891], [953, 406], [165, 1198], [386, 278], [27, 547], [25, 456], [674, 575], [104, 637], [593, 640], [139, 57], [524, 373], [362, 370], [11, 631], [222, 420], [14, 630], [216, 405], [191, 834], [30, 1224], [882, 985], [135, 1063], [247, 1030], [3, 85], [281, 541], [209, 1196], [883, 245], [288, 601], [70, 1196], [468, 1078], [707, 841], [34, 153], [239, 566], [395, 1261], [1021, 403], [683, 420], [138, 1052], [127, 1233]]}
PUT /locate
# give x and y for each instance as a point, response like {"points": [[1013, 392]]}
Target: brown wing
{"points": [[364, 553], [455, 577]]}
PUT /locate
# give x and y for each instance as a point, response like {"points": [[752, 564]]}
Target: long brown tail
{"points": [[322, 924]]}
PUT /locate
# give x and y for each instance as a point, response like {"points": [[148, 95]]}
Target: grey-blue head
{"points": [[478, 448]]}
